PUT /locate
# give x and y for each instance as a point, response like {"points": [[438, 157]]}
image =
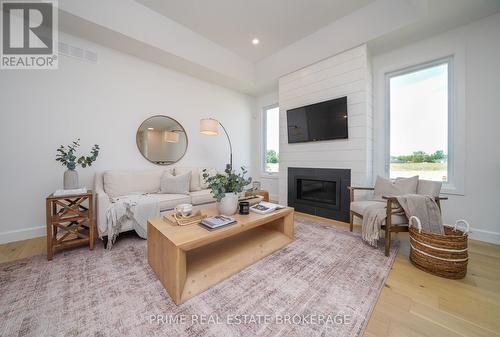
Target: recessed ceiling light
{"points": [[151, 128], [255, 41]]}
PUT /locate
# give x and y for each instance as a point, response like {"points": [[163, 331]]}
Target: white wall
{"points": [[101, 103], [345, 74], [158, 31], [269, 181], [476, 48]]}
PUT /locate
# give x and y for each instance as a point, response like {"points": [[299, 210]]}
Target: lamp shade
{"points": [[171, 137], [209, 126]]}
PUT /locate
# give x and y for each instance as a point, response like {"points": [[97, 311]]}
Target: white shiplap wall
{"points": [[346, 74]]}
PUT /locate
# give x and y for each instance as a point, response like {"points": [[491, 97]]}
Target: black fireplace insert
{"points": [[320, 191]]}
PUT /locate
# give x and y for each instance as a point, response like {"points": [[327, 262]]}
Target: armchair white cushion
{"points": [[360, 207]]}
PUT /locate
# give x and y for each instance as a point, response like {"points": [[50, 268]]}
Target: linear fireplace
{"points": [[321, 192], [318, 191]]}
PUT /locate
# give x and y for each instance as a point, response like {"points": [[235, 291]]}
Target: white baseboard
{"points": [[483, 235], [22, 234]]}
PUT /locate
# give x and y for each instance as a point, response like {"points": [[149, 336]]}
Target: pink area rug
{"points": [[325, 283]]}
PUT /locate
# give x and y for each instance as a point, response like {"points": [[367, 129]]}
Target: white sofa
{"points": [[110, 184]]}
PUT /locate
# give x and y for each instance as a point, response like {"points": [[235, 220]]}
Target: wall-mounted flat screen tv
{"points": [[319, 121]]}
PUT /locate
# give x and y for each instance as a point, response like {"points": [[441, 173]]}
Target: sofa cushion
{"points": [[361, 206], [400, 186], [169, 201], [194, 184], [201, 197], [210, 171], [429, 187], [175, 184], [118, 183]]}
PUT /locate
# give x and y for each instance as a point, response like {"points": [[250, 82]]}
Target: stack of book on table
{"points": [[217, 221], [76, 191], [264, 207]]}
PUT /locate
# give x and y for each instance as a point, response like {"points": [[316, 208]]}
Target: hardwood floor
{"points": [[21, 249], [412, 303]]}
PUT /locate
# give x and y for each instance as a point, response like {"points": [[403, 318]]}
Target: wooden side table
{"points": [[70, 222]]}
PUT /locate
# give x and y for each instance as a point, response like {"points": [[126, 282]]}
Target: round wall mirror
{"points": [[162, 140]]}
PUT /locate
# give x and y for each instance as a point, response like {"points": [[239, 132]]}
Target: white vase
{"points": [[70, 180], [229, 204]]}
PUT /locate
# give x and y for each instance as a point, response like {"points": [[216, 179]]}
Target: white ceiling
{"points": [[233, 23], [294, 33]]}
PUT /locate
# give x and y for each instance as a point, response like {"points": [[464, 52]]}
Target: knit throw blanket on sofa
{"points": [[422, 206], [138, 208]]}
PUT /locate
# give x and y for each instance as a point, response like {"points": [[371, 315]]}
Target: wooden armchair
{"points": [[394, 222]]}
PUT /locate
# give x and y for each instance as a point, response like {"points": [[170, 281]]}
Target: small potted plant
{"points": [[226, 188], [66, 156]]}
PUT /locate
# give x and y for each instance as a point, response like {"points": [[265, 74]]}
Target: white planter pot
{"points": [[229, 204]]}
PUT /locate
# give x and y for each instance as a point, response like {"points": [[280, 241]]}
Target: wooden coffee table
{"points": [[190, 259]]}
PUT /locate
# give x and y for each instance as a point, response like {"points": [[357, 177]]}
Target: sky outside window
{"points": [[419, 123]]}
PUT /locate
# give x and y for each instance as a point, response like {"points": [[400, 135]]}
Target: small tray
{"points": [[184, 221], [251, 199]]}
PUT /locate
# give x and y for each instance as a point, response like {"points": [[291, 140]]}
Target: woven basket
{"points": [[442, 255]]}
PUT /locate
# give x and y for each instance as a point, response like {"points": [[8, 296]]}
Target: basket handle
{"points": [[417, 220], [467, 226]]}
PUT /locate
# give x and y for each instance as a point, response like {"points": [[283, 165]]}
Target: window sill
{"points": [[452, 190], [268, 175]]}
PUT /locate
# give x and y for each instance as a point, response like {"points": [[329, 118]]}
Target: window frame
{"points": [[264, 140], [450, 184]]}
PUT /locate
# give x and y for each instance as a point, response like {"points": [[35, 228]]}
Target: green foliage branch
{"points": [[66, 155], [227, 182]]}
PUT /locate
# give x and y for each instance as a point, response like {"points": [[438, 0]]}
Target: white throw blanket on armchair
{"points": [[373, 219], [138, 208], [422, 206]]}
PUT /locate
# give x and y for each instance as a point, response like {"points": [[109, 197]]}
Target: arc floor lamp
{"points": [[210, 127]]}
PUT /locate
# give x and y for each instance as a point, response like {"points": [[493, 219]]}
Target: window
{"points": [[420, 115], [271, 118]]}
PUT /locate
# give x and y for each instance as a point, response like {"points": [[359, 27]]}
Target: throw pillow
{"points": [[175, 184], [400, 186], [194, 184], [211, 172], [429, 187]]}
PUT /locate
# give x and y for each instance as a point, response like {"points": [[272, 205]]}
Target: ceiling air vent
{"points": [[76, 52], [91, 56]]}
